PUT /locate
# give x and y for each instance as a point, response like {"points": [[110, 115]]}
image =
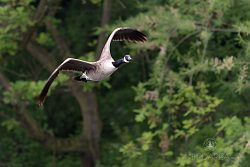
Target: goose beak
{"points": [[129, 58]]}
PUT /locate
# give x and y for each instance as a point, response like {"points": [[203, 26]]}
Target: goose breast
{"points": [[103, 70]]}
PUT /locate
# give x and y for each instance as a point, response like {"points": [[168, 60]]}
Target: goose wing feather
{"points": [[128, 34], [69, 64], [122, 34]]}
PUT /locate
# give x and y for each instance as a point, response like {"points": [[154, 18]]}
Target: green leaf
{"points": [[10, 124]]}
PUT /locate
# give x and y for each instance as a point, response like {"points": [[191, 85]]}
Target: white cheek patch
{"points": [[124, 59]]}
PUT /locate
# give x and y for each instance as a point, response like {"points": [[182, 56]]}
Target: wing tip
{"points": [[136, 35], [144, 38], [40, 100]]}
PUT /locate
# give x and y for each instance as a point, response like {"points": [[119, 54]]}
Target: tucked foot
{"points": [[78, 78]]}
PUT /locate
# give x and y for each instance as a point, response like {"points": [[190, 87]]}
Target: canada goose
{"points": [[100, 69]]}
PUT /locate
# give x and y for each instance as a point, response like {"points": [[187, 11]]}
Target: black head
{"points": [[127, 59]]}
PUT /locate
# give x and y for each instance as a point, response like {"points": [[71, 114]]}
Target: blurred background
{"points": [[183, 101]]}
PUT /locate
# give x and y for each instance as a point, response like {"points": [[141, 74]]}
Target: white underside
{"points": [[103, 71]]}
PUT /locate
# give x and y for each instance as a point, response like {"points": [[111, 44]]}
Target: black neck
{"points": [[118, 62]]}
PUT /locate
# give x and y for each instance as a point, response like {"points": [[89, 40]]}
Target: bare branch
{"points": [[60, 42], [4, 82], [105, 19], [34, 131], [37, 19], [214, 29], [87, 101], [38, 52]]}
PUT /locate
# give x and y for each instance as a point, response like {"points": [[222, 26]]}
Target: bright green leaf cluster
{"points": [[15, 18]]}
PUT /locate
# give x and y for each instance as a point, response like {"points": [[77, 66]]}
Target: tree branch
{"points": [[214, 29], [105, 19], [60, 42], [37, 19], [34, 131], [87, 100], [4, 82], [91, 120], [39, 53], [53, 143]]}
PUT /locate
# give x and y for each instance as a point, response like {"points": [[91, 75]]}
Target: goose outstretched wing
{"points": [[69, 64], [128, 34], [122, 34]]}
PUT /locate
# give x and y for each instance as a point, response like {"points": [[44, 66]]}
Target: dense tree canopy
{"points": [[183, 101]]}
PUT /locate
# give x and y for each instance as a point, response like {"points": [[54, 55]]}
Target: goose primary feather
{"points": [[100, 69]]}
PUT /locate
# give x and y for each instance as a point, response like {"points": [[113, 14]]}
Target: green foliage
{"points": [[184, 101], [28, 90], [187, 73], [14, 17], [45, 39], [227, 150], [10, 124], [24, 90]]}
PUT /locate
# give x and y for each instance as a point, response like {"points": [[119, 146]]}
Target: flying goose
{"points": [[100, 69]]}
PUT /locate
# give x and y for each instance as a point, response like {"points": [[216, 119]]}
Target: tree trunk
{"points": [[91, 126], [87, 161]]}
